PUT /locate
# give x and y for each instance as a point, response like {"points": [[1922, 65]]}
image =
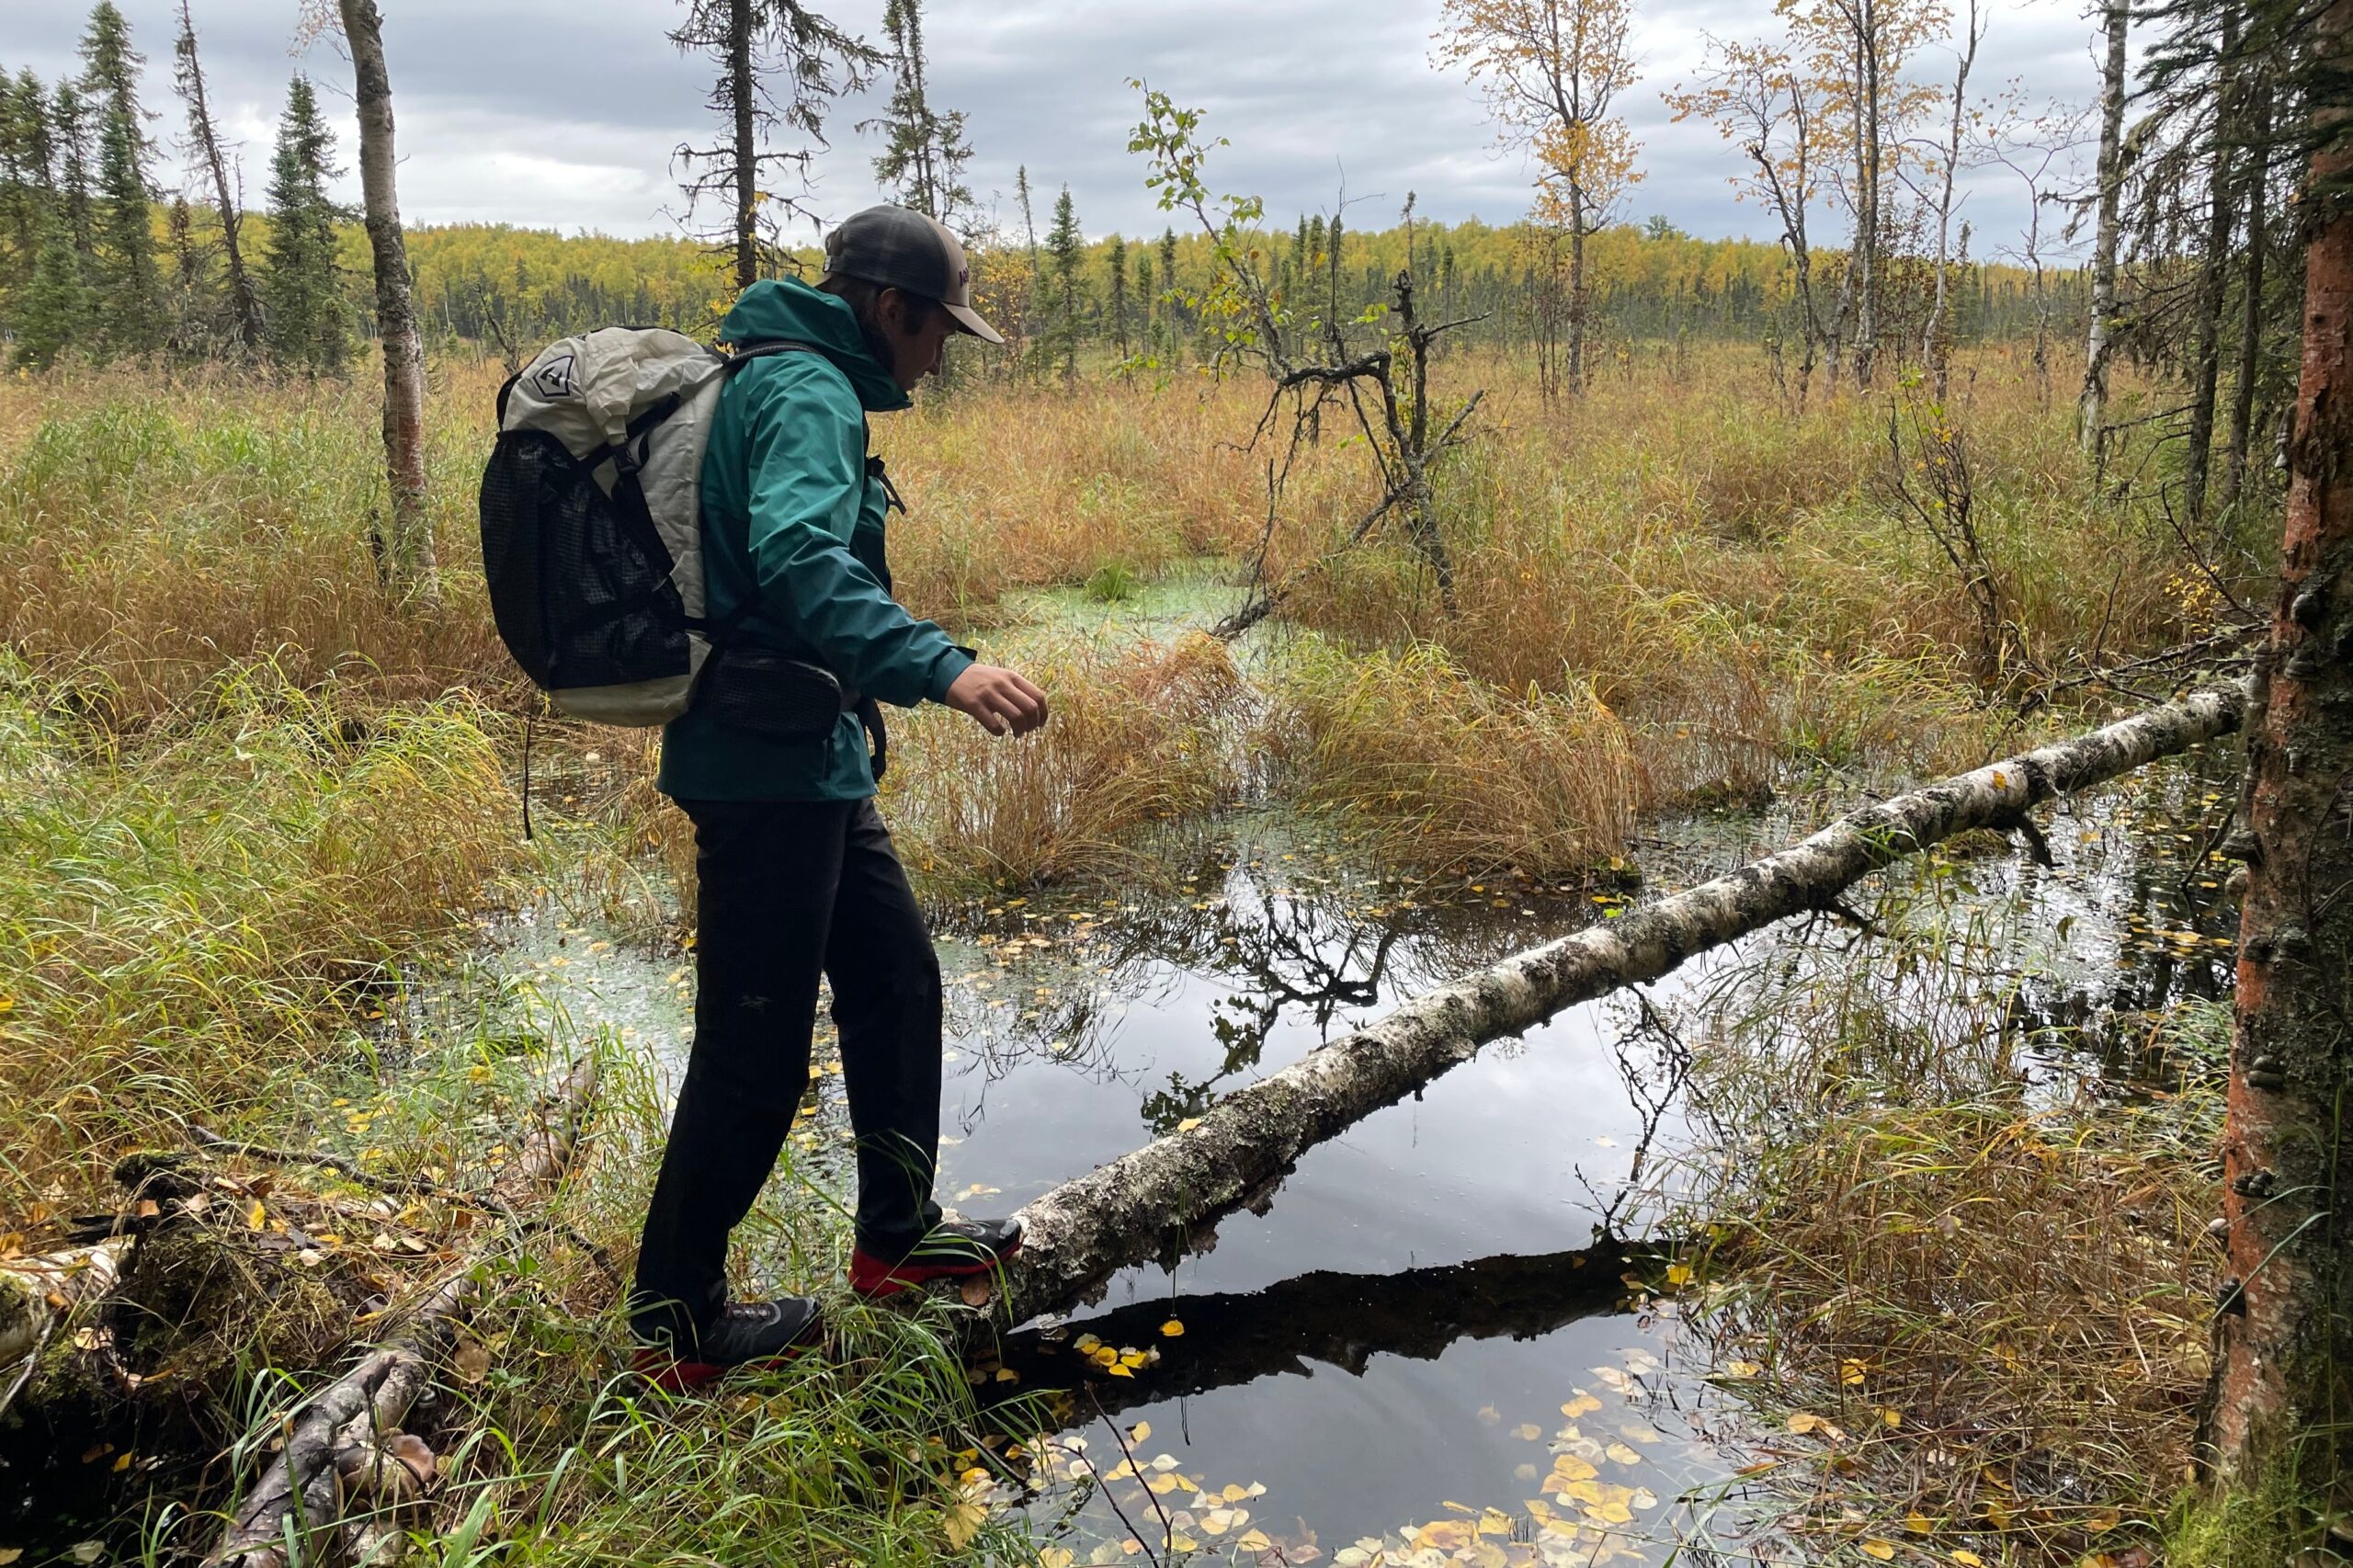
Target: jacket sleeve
{"points": [[808, 473]]}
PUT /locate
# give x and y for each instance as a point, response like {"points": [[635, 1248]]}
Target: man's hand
{"points": [[997, 700]]}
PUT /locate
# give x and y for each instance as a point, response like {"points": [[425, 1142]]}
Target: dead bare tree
{"points": [[187, 74]]}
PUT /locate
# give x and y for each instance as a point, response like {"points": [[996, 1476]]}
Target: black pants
{"points": [[789, 890]]}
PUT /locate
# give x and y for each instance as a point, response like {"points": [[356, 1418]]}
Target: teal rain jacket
{"points": [[792, 524]]}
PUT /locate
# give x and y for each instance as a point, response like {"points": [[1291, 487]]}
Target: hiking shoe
{"points": [[758, 1335], [954, 1250]]}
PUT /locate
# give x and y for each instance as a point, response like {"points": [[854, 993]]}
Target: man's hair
{"points": [[864, 298]]}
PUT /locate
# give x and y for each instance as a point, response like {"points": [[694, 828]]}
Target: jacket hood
{"points": [[787, 308]]}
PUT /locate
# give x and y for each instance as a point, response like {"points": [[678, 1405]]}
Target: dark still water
{"points": [[1426, 1346]]}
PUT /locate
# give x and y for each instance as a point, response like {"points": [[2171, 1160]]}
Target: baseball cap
{"points": [[899, 248]]}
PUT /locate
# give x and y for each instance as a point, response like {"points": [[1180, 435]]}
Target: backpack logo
{"points": [[554, 378]]}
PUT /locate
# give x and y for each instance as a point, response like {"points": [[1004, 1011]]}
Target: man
{"points": [[795, 872]]}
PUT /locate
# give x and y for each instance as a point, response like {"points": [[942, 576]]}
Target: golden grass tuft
{"points": [[1452, 774], [1140, 735]]}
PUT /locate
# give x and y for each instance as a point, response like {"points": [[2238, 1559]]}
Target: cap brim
{"points": [[969, 320]]}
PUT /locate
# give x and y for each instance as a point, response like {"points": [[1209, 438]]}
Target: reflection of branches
{"points": [[1650, 1105]]}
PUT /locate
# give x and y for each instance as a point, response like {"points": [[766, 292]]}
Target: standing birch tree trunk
{"points": [[2091, 408], [405, 551], [2283, 1393], [1934, 351]]}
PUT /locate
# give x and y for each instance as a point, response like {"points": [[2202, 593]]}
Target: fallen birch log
{"points": [[343, 1446], [1160, 1200], [40, 1297]]}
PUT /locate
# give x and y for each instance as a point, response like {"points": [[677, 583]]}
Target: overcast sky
{"points": [[564, 113]]}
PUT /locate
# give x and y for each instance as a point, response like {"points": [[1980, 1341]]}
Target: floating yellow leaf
{"points": [[963, 1522], [1878, 1548], [1495, 1521], [1117, 1371], [1254, 1540], [1055, 1557], [9, 1554], [1621, 1454], [1007, 1375], [1179, 1541], [1528, 1431], [1162, 1486], [1568, 1467], [1610, 1513], [1443, 1535], [1584, 1405], [1139, 1432], [1172, 1329]]}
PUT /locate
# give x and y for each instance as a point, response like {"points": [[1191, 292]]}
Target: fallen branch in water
{"points": [[1163, 1199], [344, 1444]]}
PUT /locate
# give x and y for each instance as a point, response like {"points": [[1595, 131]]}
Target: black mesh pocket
{"points": [[769, 694], [579, 580]]}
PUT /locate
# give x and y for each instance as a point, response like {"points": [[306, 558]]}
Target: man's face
{"points": [[918, 352]]}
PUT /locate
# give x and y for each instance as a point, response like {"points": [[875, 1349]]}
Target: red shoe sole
{"points": [[875, 1279], [673, 1376]]}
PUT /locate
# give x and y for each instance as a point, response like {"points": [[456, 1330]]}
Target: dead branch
{"points": [[344, 1444]]}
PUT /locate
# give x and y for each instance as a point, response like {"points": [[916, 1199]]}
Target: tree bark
{"points": [[1164, 1199], [2284, 1391], [1578, 300], [408, 555], [344, 1443], [742, 90], [2091, 408]]}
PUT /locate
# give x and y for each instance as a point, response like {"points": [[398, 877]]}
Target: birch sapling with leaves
{"points": [[1552, 69]]}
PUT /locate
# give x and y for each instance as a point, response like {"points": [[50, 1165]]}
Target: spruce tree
{"points": [[302, 299], [1168, 316], [1066, 250], [1119, 296], [24, 180], [69, 123], [131, 292], [56, 314], [924, 151]]}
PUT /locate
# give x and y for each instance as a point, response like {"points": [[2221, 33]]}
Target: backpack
{"points": [[592, 519]]}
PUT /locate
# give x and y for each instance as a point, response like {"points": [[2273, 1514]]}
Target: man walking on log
{"points": [[795, 872]]}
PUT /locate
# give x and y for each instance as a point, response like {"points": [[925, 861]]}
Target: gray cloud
{"points": [[555, 114]]}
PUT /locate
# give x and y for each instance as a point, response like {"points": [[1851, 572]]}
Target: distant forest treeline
{"points": [[477, 283]]}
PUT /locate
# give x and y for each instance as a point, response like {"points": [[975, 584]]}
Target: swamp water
{"points": [[1433, 1321]]}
